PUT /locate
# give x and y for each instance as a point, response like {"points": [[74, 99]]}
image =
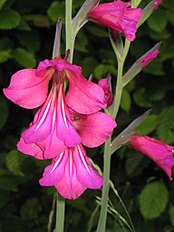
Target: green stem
{"points": [[107, 158], [68, 24], [118, 90], [105, 190], [60, 214]]}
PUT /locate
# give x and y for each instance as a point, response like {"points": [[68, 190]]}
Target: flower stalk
{"points": [[60, 213], [107, 154], [68, 28]]}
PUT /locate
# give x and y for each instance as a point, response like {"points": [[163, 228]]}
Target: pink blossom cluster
{"points": [[64, 122]]}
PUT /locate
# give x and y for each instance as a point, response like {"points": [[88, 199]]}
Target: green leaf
{"points": [[4, 111], [171, 213], [148, 125], [24, 58], [153, 200], [14, 161], [157, 22], [30, 40], [125, 101], [91, 63], [135, 163], [56, 10], [2, 2], [97, 31], [165, 129], [5, 55], [9, 19], [102, 70], [10, 183], [30, 209], [140, 98], [38, 20]]}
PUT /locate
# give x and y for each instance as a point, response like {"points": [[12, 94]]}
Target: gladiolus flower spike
{"points": [[63, 123]]}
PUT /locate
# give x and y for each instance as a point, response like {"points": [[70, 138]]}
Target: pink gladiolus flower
{"points": [[29, 87], [55, 125], [104, 83], [71, 173], [144, 61], [158, 151], [49, 135], [117, 15], [156, 4]]}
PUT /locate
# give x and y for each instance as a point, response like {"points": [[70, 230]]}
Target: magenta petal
{"points": [[46, 149], [51, 146], [65, 129], [69, 187], [71, 173], [118, 16], [95, 128], [62, 174], [55, 171], [40, 129], [30, 149], [27, 89], [84, 96], [86, 174]]}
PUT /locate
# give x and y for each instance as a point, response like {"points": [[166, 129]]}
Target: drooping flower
{"points": [[117, 15], [29, 87], [104, 83], [71, 173], [158, 151]]}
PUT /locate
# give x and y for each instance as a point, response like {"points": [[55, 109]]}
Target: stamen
{"points": [[83, 160], [57, 162]]}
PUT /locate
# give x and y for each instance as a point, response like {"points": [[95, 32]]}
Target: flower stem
{"points": [[107, 157], [68, 24], [105, 190], [60, 213]]}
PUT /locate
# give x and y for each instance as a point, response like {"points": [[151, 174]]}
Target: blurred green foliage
{"points": [[26, 37]]}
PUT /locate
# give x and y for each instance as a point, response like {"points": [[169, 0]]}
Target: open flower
{"points": [[71, 173], [29, 87], [56, 127], [117, 15], [158, 151]]}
